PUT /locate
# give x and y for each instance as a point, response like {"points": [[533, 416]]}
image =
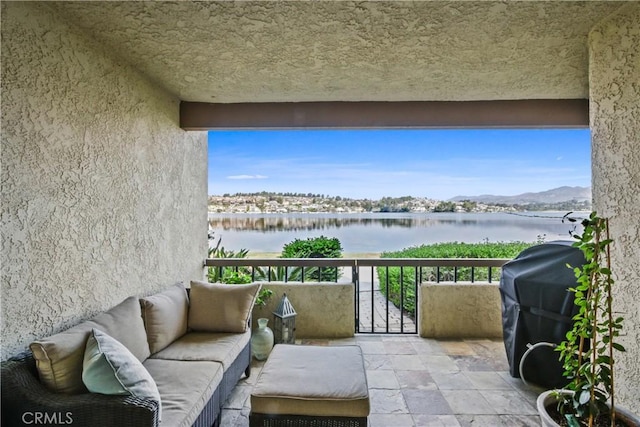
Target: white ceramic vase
{"points": [[262, 340]]}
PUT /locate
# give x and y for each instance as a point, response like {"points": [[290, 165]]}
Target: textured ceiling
{"points": [[278, 51]]}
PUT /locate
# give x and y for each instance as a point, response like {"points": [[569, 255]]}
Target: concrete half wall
{"points": [[325, 310], [459, 310], [614, 80], [103, 195]]}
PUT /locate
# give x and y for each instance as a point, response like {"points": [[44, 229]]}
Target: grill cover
{"points": [[537, 307]]}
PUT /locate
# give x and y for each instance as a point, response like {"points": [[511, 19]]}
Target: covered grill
{"points": [[537, 308]]}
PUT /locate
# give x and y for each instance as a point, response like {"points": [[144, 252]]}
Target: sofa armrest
{"points": [[25, 401]]}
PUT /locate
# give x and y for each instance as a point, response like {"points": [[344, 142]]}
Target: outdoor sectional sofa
{"points": [[170, 359]]}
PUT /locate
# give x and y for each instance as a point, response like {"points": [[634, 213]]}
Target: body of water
{"points": [[376, 232]]}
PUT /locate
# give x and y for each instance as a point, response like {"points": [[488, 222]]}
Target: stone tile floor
{"points": [[424, 382]]}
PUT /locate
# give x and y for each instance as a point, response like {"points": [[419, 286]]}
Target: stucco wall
{"points": [[323, 310], [614, 67], [103, 196], [459, 310]]}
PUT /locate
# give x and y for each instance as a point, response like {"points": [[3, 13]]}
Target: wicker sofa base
{"points": [[280, 420], [22, 393]]}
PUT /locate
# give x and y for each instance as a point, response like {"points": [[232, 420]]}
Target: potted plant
{"points": [[588, 352]]}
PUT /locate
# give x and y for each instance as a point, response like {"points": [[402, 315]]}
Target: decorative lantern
{"points": [[284, 322]]}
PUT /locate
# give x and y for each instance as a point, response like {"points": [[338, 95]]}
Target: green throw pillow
{"points": [[109, 368]]}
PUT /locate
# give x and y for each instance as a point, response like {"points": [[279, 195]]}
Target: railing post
{"points": [[401, 299], [387, 295], [373, 314], [415, 299], [356, 284]]}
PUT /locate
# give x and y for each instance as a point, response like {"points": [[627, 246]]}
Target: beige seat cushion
{"points": [[59, 357], [185, 388], [312, 380], [165, 316], [213, 346], [221, 308]]}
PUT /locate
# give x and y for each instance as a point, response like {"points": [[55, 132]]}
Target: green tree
{"points": [[445, 207], [468, 205]]}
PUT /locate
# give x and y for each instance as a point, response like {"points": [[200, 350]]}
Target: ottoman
{"points": [[305, 385]]}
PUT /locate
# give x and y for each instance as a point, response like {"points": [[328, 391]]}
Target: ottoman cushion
{"points": [[312, 380]]}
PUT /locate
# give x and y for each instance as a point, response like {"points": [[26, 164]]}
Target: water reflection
{"points": [[311, 222], [384, 232], [315, 222]]}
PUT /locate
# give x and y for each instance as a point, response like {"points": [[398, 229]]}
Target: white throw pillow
{"points": [[109, 368]]}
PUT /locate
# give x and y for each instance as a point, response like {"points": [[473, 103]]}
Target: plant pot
{"points": [[547, 399]]}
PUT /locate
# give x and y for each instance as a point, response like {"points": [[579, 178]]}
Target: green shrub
{"points": [[278, 274], [462, 250], [217, 274], [233, 275], [442, 250], [314, 247], [396, 275]]}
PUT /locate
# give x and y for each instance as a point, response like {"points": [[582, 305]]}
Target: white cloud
{"points": [[247, 177]]}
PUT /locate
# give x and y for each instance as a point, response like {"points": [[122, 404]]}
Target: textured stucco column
{"points": [[614, 79], [103, 195]]}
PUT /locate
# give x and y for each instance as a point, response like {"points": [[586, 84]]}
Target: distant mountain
{"points": [[556, 195]]}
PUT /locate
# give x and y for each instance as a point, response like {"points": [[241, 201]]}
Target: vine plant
{"points": [[587, 353]]}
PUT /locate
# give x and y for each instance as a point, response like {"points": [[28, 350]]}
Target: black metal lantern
{"points": [[284, 322]]}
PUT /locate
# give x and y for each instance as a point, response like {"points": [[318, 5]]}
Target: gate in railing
{"points": [[386, 289]]}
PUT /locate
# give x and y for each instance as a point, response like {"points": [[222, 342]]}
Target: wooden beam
{"points": [[531, 113]]}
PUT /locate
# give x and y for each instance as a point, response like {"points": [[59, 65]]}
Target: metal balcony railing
{"points": [[386, 289]]}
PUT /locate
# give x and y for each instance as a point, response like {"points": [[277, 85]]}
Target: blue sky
{"points": [[439, 164]]}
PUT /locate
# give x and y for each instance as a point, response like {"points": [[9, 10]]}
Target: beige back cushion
{"points": [[59, 357], [221, 308], [165, 316]]}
